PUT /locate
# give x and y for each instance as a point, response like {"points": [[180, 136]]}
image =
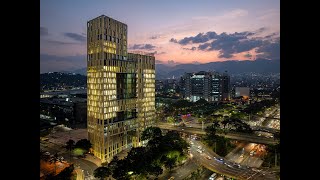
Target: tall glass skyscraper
{"points": [[121, 89]]}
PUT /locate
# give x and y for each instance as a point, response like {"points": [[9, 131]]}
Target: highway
{"points": [[233, 135], [225, 167], [241, 154]]}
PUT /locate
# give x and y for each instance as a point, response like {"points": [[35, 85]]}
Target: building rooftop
{"points": [[107, 17], [141, 53]]}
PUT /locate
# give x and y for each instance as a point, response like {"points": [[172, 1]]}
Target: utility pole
{"points": [[275, 161], [202, 125]]}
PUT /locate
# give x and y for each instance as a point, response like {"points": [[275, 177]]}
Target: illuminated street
{"points": [[226, 167], [247, 154], [55, 144]]}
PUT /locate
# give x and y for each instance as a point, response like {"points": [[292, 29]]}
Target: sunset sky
{"points": [[177, 31]]}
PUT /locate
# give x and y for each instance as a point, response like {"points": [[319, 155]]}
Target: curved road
{"points": [[227, 169]]}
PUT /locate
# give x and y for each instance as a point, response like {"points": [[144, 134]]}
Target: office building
{"points": [[121, 89], [72, 109], [211, 86]]}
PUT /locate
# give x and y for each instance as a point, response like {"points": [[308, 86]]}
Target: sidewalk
{"points": [[80, 175], [97, 161], [93, 159]]}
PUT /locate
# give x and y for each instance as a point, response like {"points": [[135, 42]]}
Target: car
{"points": [[241, 155], [256, 170], [199, 151], [213, 176], [199, 147], [236, 165], [171, 178], [227, 164], [220, 160], [208, 157], [251, 153]]}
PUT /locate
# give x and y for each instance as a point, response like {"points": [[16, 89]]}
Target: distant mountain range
{"points": [[233, 67], [54, 80]]}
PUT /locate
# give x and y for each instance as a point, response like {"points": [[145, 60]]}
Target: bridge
{"points": [[265, 129], [254, 128], [231, 135]]}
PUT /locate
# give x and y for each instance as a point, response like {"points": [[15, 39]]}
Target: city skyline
{"points": [[177, 33]]}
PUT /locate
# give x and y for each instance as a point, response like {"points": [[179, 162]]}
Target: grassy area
{"points": [[222, 147], [78, 152]]}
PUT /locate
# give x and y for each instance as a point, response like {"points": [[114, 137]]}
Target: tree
{"points": [[151, 133], [225, 122], [160, 151], [170, 119], [44, 156], [273, 154], [121, 170], [134, 160], [54, 159], [155, 170], [201, 102], [101, 172], [201, 119], [170, 163], [65, 174], [84, 144], [211, 131], [113, 163], [180, 104], [70, 146], [216, 124]]}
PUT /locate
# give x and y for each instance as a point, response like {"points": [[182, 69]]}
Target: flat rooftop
{"points": [[61, 135]]}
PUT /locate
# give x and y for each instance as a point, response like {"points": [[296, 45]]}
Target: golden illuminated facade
{"points": [[121, 89]]}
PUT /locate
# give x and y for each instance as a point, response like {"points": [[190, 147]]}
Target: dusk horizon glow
{"points": [[176, 31]]}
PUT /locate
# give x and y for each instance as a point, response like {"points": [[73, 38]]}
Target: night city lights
{"points": [[171, 90]]}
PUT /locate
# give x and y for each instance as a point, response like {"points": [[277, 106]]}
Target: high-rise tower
{"points": [[211, 86], [121, 89]]}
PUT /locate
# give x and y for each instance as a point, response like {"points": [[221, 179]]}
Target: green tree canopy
{"points": [[160, 151], [151, 133], [101, 172], [84, 144], [70, 144]]}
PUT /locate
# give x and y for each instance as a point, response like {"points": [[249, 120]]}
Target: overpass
{"points": [[254, 128], [233, 135], [265, 129]]}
